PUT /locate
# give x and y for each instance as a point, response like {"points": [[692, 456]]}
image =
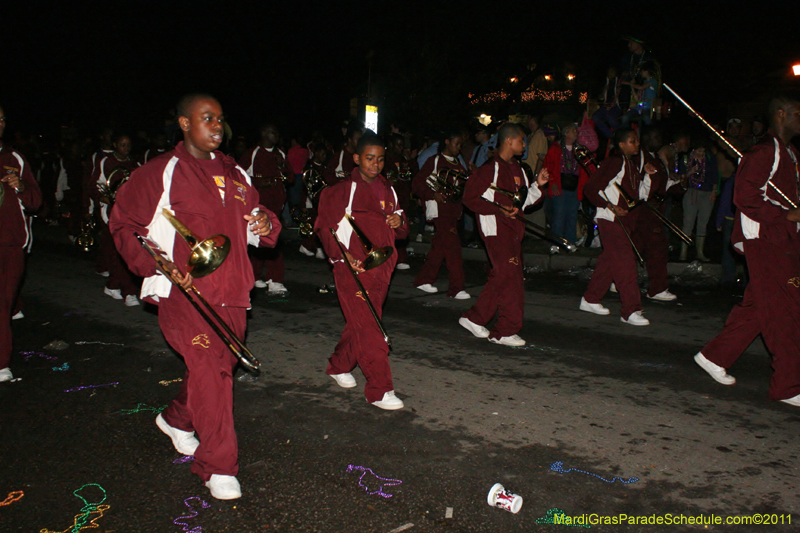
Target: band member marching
{"points": [[111, 172], [20, 197], [399, 171], [373, 205], [210, 194], [266, 165], [502, 232], [617, 263], [341, 165], [313, 185], [446, 244]]}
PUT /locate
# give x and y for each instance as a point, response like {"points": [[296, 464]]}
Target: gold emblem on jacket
{"points": [[514, 260], [202, 341], [795, 282]]}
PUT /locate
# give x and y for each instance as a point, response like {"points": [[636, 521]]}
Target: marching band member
{"points": [[502, 232], [341, 165], [266, 165], [399, 172], [617, 263], [446, 244], [649, 235], [767, 231], [316, 166], [210, 194], [20, 196], [106, 178], [373, 204]]}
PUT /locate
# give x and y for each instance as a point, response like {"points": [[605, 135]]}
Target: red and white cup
{"points": [[502, 498]]}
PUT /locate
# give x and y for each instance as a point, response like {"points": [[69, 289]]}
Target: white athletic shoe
{"points": [[104, 274], [320, 254], [114, 293], [479, 331], [345, 381], [794, 400], [261, 284], [635, 319], [664, 296], [613, 288], [462, 295], [131, 300], [224, 487], [277, 288], [306, 251], [513, 340], [719, 374], [402, 266], [184, 441], [6, 375], [19, 315], [389, 402], [597, 309], [427, 287]]}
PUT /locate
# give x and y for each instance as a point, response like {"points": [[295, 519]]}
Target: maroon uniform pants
{"points": [[12, 267], [504, 292], [651, 240], [616, 264], [268, 262], [205, 402], [361, 342], [119, 277], [445, 248], [771, 307]]}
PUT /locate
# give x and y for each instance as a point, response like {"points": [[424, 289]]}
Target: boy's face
{"points": [[630, 146], [453, 146], [123, 146], [370, 162], [517, 144], [202, 129]]}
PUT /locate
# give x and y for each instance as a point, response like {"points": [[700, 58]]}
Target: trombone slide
{"points": [[541, 231], [625, 230], [667, 222]]}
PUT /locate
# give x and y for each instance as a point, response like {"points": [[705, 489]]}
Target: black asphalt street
{"points": [[592, 417]]}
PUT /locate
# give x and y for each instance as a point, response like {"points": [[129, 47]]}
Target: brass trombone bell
{"points": [[375, 256], [207, 254], [517, 198]]}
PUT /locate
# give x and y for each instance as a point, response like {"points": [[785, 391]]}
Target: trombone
{"points": [[667, 222], [365, 243], [517, 201], [207, 255], [625, 230]]}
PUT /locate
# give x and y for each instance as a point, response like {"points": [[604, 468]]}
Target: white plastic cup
{"points": [[502, 498]]}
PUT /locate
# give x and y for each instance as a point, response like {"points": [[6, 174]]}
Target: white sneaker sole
{"points": [[470, 326], [703, 363]]}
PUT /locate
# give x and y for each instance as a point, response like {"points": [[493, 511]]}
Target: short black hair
{"points": [[620, 135], [507, 131], [370, 138], [186, 101], [779, 102]]}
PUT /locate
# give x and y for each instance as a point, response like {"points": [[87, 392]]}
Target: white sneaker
{"points": [[114, 293], [428, 228], [719, 374], [345, 381], [554, 250], [277, 288], [597, 309], [19, 315], [462, 295], [320, 254], [513, 340], [402, 266], [419, 237], [389, 402], [6, 375], [427, 287], [613, 288], [306, 251], [131, 300], [635, 319], [794, 400], [224, 487], [261, 284], [184, 441], [479, 331], [104, 274], [664, 296]]}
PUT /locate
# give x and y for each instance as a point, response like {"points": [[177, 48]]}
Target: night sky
{"points": [[125, 64]]}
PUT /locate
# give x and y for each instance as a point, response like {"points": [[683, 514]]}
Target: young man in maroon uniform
{"points": [[369, 198], [399, 172], [109, 174], [210, 194], [341, 165], [310, 245], [650, 234], [502, 232], [90, 200], [446, 244], [767, 231], [266, 164], [617, 262], [19, 198]]}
